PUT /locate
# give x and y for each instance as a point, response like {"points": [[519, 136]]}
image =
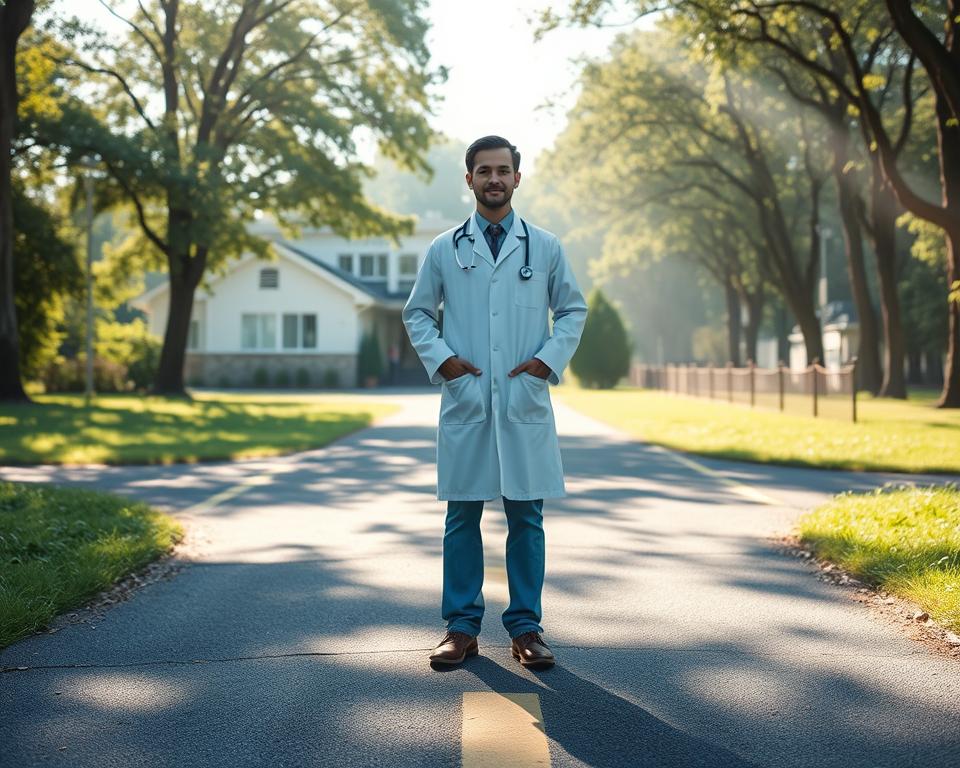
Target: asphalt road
{"points": [[297, 632]]}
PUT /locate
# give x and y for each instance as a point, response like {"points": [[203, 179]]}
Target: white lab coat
{"points": [[497, 435]]}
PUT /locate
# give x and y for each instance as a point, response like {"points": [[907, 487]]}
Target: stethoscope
{"points": [[461, 232]]}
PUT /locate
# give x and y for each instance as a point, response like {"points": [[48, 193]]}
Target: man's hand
{"points": [[455, 367], [534, 367]]}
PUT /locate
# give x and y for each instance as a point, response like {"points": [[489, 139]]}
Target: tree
{"points": [[14, 18], [47, 271], [603, 357], [931, 32], [206, 113]]}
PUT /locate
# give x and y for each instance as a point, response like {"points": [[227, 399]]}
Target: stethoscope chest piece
{"points": [[525, 272]]}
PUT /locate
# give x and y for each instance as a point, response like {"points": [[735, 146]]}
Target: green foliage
{"points": [[69, 374], [302, 378], [60, 546], [282, 378], [138, 429], [331, 378], [131, 345], [603, 356], [47, 272], [261, 378], [369, 359], [905, 540]]}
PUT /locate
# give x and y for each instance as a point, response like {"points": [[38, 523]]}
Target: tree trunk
{"points": [[734, 325], [185, 274], [754, 303], [868, 354], [950, 397], [14, 18], [884, 216]]}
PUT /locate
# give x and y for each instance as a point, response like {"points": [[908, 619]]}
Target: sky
{"points": [[489, 48]]}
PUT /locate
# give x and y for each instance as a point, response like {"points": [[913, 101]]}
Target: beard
{"points": [[493, 201]]}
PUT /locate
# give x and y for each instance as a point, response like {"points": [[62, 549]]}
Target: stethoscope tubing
{"points": [[461, 232]]}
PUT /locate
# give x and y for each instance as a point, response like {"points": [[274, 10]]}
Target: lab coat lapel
{"points": [[480, 245], [512, 241]]}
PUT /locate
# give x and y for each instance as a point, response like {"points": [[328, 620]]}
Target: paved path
{"points": [[298, 633]]}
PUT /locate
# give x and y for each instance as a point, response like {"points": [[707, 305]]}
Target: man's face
{"points": [[494, 178]]}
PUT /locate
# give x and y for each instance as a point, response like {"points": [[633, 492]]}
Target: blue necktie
{"points": [[493, 239]]}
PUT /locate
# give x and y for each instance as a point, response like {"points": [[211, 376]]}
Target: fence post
{"points": [[753, 385], [853, 386], [729, 381], [813, 370], [710, 379], [780, 381]]}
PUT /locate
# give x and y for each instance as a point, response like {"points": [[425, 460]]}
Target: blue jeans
{"points": [[462, 603]]}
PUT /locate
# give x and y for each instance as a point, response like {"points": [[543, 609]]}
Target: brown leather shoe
{"points": [[532, 651], [454, 648]]}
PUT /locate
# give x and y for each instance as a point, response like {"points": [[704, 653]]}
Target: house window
{"points": [[269, 278], [258, 331], [193, 337], [299, 331], [366, 265], [309, 331], [291, 324], [408, 265], [381, 265], [345, 261]]}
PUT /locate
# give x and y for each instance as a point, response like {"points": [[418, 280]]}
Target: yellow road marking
{"points": [[226, 494], [738, 488], [503, 730]]}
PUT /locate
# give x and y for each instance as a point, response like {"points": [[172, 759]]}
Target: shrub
{"points": [[303, 377], [131, 345], [331, 378], [603, 356], [70, 375], [260, 377], [224, 381], [369, 360], [282, 378]]}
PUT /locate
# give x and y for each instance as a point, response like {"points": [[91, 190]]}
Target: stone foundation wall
{"points": [[269, 371]]}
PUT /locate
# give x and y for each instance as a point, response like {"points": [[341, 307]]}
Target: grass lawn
{"points": [[61, 546], [131, 429], [890, 435], [904, 540]]}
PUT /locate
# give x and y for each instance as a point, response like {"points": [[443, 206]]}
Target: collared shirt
{"points": [[506, 222]]}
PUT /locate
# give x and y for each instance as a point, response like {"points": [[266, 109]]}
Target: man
{"points": [[496, 275]]}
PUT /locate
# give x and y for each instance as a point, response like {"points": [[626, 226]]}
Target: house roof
{"points": [[375, 289]]}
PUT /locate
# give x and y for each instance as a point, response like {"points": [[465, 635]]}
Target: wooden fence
{"points": [[814, 389]]}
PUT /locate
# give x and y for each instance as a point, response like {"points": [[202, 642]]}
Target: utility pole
{"points": [[88, 165]]}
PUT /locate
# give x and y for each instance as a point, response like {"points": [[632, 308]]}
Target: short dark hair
{"points": [[491, 142]]}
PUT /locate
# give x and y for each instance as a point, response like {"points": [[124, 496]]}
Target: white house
{"points": [[298, 319]]}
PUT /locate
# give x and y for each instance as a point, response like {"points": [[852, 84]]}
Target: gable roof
{"points": [[363, 292], [375, 289]]}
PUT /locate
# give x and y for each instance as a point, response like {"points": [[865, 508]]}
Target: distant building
{"points": [[298, 320], [841, 337]]}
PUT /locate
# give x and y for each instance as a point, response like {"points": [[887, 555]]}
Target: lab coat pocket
{"points": [[461, 401], [531, 293], [529, 401]]}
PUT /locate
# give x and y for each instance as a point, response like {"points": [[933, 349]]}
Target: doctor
{"points": [[493, 355]]}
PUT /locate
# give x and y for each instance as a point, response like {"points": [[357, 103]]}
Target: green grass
{"points": [[905, 540], [61, 546], [131, 429], [896, 436]]}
